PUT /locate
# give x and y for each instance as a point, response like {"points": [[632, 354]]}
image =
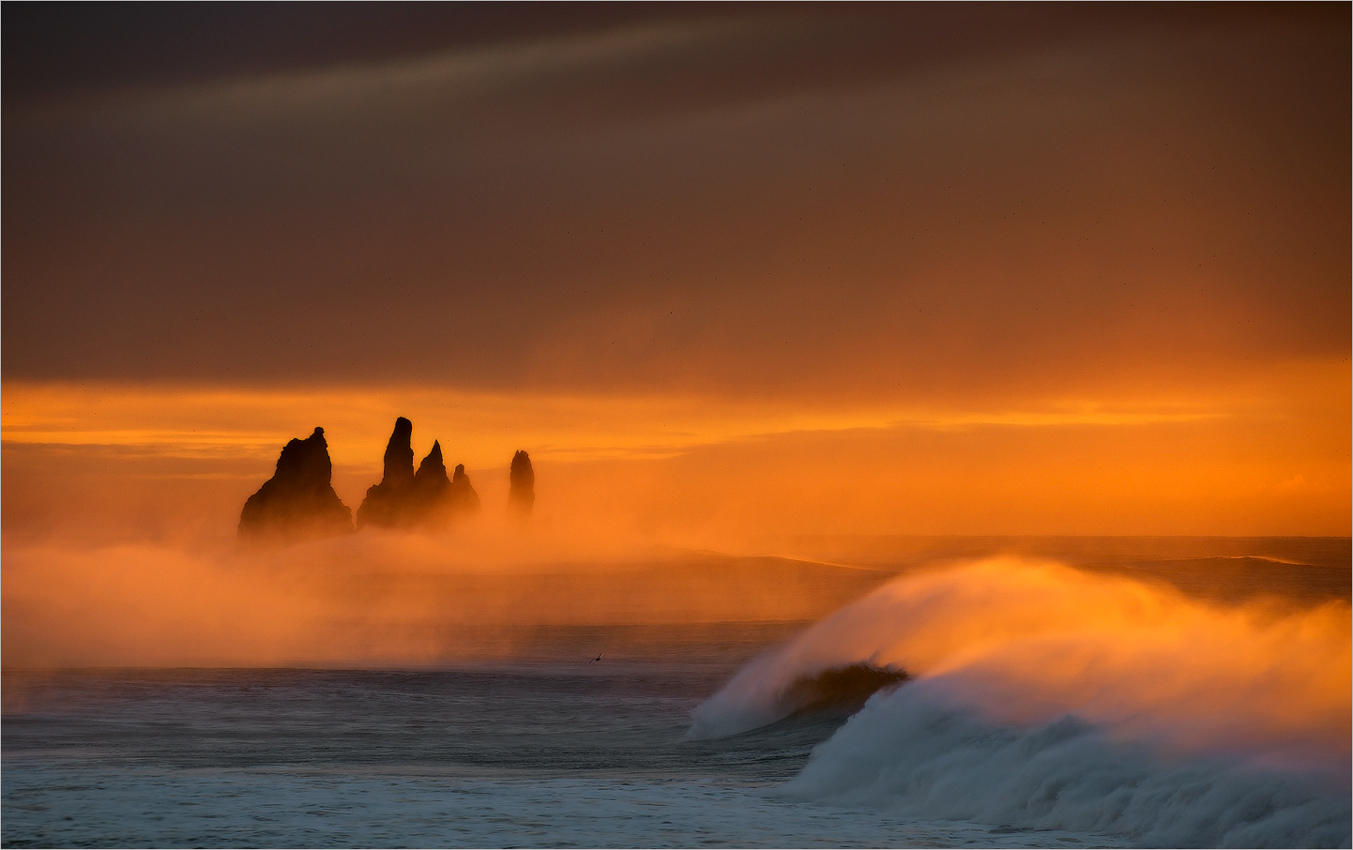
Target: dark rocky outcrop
{"points": [[430, 484], [385, 502], [522, 495], [299, 501], [405, 498], [462, 497]]}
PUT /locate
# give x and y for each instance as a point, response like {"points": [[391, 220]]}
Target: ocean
{"points": [[1000, 715]]}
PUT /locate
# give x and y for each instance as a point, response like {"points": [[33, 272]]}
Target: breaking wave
{"points": [[913, 753], [840, 689], [1042, 697]]}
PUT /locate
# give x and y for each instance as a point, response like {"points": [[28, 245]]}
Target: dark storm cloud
{"points": [[56, 49], [876, 199]]}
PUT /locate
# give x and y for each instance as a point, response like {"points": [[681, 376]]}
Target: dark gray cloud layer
{"points": [[800, 199]]}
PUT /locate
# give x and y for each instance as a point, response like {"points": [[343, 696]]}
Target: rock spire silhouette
{"points": [[462, 497], [522, 494], [430, 481], [299, 501], [406, 498]]}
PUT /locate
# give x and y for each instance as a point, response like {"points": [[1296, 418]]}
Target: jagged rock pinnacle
{"points": [[399, 455], [298, 501], [522, 495], [406, 498], [462, 496]]}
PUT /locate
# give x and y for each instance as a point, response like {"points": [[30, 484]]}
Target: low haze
{"points": [[759, 361]]}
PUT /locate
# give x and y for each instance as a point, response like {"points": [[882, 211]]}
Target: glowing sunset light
{"points": [[196, 419], [1262, 455], [665, 424]]}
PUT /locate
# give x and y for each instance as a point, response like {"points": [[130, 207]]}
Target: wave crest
{"points": [[912, 753], [1045, 697]]}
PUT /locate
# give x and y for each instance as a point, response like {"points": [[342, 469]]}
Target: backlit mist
{"points": [[734, 277], [676, 424]]}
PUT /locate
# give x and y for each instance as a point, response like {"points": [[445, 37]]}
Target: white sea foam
{"points": [[911, 752], [1047, 698]]}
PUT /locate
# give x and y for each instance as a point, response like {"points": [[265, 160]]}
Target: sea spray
{"points": [[914, 752], [1046, 697]]}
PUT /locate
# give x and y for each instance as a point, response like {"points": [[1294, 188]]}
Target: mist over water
{"points": [[583, 679], [1020, 700], [689, 311], [1044, 697], [378, 599]]}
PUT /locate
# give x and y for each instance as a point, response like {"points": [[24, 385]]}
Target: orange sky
{"points": [[1265, 457], [724, 272]]}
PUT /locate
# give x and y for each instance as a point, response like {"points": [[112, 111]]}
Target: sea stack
{"points": [[522, 495], [430, 484], [384, 502], [405, 498], [299, 501], [462, 497]]}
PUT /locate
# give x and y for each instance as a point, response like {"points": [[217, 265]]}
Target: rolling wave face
{"points": [[911, 752], [838, 690], [1046, 697]]}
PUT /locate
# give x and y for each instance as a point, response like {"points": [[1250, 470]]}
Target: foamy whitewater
{"points": [[1048, 698], [1023, 703]]}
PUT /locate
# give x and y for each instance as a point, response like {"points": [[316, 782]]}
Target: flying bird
{"points": [[594, 660]]}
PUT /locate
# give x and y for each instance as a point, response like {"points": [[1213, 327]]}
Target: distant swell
{"points": [[1041, 697]]}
